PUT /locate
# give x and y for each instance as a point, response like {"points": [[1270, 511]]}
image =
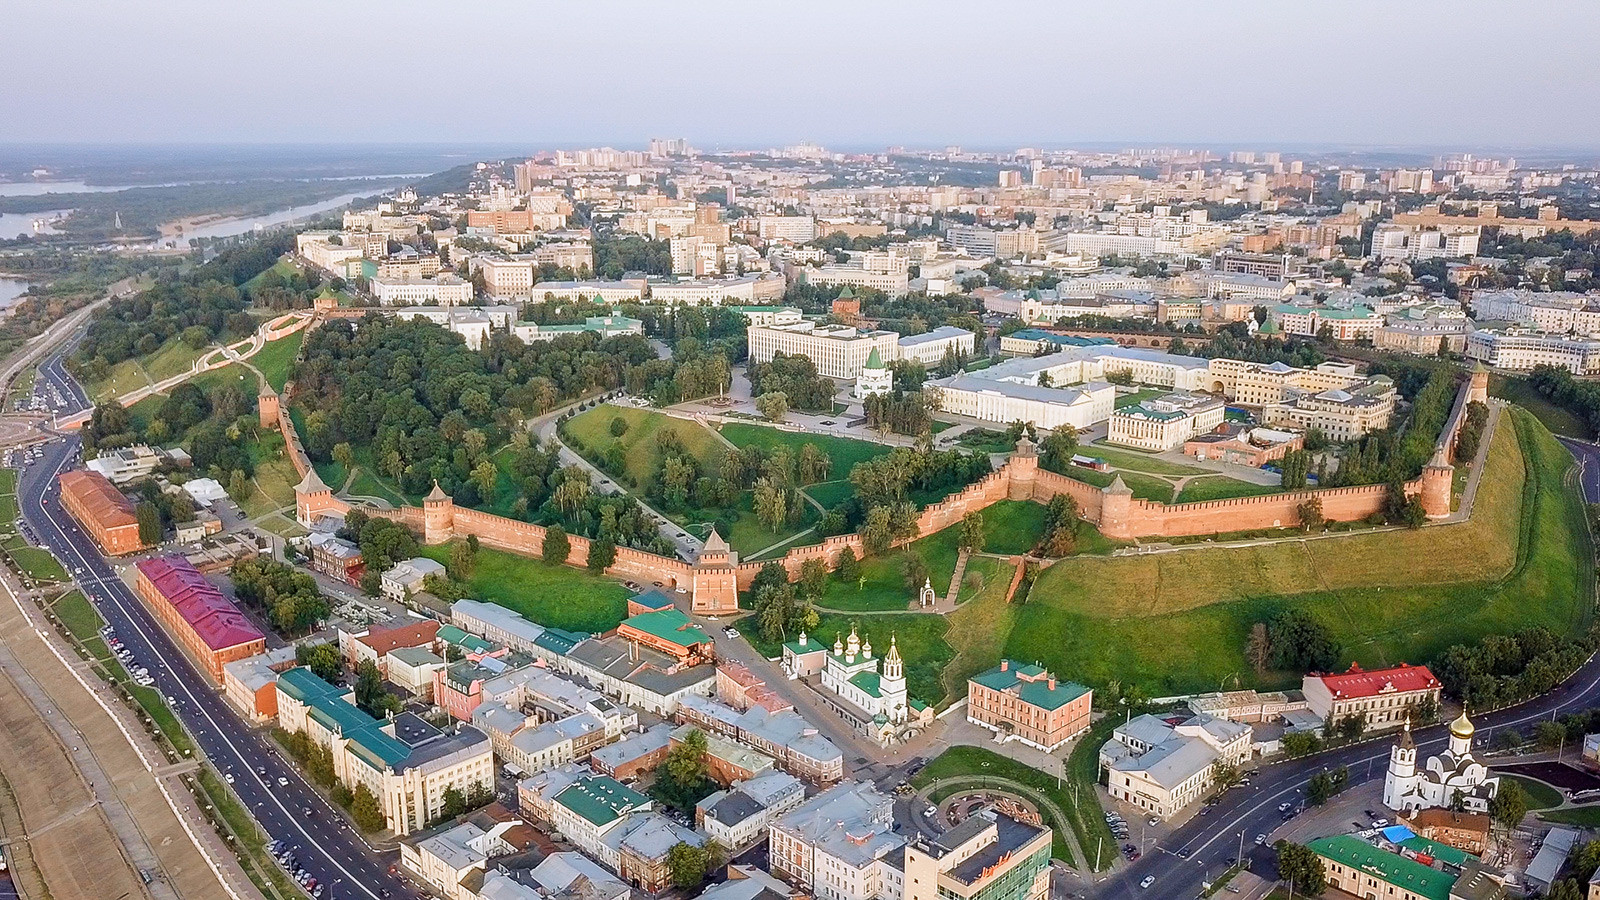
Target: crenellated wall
{"points": [[1114, 510]]}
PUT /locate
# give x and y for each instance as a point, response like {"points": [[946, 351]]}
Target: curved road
{"points": [[326, 847], [1203, 845]]}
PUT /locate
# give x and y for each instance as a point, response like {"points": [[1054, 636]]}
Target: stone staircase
{"points": [[955, 580]]}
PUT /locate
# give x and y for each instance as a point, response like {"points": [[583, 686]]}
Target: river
{"points": [[230, 227], [10, 290]]}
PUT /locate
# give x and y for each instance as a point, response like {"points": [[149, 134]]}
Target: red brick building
{"points": [[204, 621], [1026, 703], [103, 512]]}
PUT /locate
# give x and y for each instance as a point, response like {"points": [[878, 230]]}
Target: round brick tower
{"points": [[1438, 478], [438, 516], [1021, 470], [267, 404], [1479, 388], [1116, 502]]}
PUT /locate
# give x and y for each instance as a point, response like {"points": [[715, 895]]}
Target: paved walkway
{"points": [[998, 784]]}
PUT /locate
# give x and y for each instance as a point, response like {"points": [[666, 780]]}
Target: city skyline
{"points": [[850, 77]]}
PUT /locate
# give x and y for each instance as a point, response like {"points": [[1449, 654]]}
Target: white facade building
{"points": [[442, 290], [1452, 774]]}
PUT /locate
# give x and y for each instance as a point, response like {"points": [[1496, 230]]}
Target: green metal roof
{"points": [[1354, 312], [869, 682], [1389, 868], [471, 643], [1031, 684], [669, 625], [559, 640], [1455, 856], [330, 709], [601, 800], [874, 361]]}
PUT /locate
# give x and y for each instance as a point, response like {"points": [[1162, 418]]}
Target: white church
{"points": [[1455, 771]]}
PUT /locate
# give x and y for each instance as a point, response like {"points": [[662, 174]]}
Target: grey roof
{"points": [[656, 672], [472, 612], [453, 846], [734, 808], [625, 751], [977, 384], [650, 835], [850, 821], [1011, 837], [942, 333]]}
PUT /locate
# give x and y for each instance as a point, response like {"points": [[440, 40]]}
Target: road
{"points": [[1588, 457], [1202, 846], [326, 847]]}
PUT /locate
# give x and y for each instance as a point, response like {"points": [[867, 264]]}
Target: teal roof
{"points": [[869, 682], [669, 625], [810, 646], [1389, 868], [601, 800], [1354, 312], [653, 599], [1065, 340], [471, 643], [1031, 684], [559, 640], [330, 709], [874, 361]]}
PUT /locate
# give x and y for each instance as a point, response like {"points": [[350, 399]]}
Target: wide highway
{"points": [[295, 813]]}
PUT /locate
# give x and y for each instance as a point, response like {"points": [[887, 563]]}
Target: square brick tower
{"points": [[267, 403], [715, 579]]}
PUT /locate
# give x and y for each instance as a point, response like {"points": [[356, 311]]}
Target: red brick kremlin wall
{"points": [[1118, 514]]}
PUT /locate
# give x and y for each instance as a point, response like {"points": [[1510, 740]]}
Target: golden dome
{"points": [[1462, 727]]}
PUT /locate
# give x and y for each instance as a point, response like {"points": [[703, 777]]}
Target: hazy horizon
{"points": [[1364, 75]]}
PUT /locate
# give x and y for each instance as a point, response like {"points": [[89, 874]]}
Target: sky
{"points": [[849, 75]]}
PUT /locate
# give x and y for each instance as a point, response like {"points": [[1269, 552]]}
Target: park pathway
{"points": [[1019, 791]]}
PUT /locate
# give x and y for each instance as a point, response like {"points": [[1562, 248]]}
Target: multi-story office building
{"points": [[1164, 423], [988, 856], [998, 400], [508, 278], [895, 284], [628, 290], [1382, 698], [794, 229], [444, 290], [1519, 349], [840, 844], [839, 351], [930, 348], [745, 289], [1341, 414], [1399, 242]]}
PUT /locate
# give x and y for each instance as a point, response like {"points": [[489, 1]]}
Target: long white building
{"points": [[1519, 349], [442, 290], [839, 351]]}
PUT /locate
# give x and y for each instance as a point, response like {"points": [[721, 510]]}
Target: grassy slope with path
{"points": [[591, 430], [274, 358], [1520, 391], [1540, 795], [1179, 621], [554, 595]]}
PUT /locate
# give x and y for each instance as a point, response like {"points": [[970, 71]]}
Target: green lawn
{"points": [[79, 617], [8, 481], [1123, 458], [843, 452], [1139, 396], [1178, 622], [591, 432], [39, 564], [974, 764], [275, 476], [1145, 487], [831, 493], [1556, 418], [275, 357], [1540, 795], [1582, 816], [283, 268], [8, 510], [1221, 487], [921, 638], [555, 595]]}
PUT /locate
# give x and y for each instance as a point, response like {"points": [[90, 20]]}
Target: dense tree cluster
{"points": [[784, 609], [1501, 669], [1581, 398], [1398, 453], [290, 597], [615, 256], [1234, 341], [1471, 433], [796, 378], [902, 412], [1298, 642]]}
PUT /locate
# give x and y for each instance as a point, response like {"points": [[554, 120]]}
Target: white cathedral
{"points": [[852, 673], [1444, 776]]}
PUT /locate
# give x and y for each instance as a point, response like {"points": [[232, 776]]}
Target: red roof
{"points": [[98, 498], [1359, 683], [212, 615], [413, 634]]}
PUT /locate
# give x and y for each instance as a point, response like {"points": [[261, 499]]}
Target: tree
{"points": [[149, 516], [1302, 868], [1565, 889], [813, 580], [452, 803], [1296, 465], [1509, 804], [462, 561], [1311, 514], [344, 456], [774, 405], [688, 864], [323, 660], [848, 568], [370, 694], [972, 532], [1258, 650], [1224, 775], [1549, 735], [1300, 642], [814, 464], [486, 475], [771, 503], [556, 547], [1324, 786], [1301, 743], [1057, 449], [366, 811], [238, 485], [683, 778], [602, 554]]}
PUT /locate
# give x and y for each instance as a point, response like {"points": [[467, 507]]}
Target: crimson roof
{"points": [[1357, 682], [411, 634], [212, 615]]}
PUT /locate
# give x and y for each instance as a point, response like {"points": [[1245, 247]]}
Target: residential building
{"points": [[404, 762], [442, 290], [631, 757], [1025, 703], [1361, 869], [839, 351], [124, 464], [414, 670], [507, 278], [727, 762], [1354, 323], [105, 514], [1382, 698], [1165, 422], [839, 844], [1465, 831], [895, 284], [1403, 243], [987, 856], [591, 807], [336, 557], [639, 675], [770, 315], [524, 743], [1161, 765], [509, 629], [406, 577], [641, 846], [794, 229], [376, 643], [250, 684], [785, 735], [204, 622], [560, 876], [1423, 337], [738, 817]]}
